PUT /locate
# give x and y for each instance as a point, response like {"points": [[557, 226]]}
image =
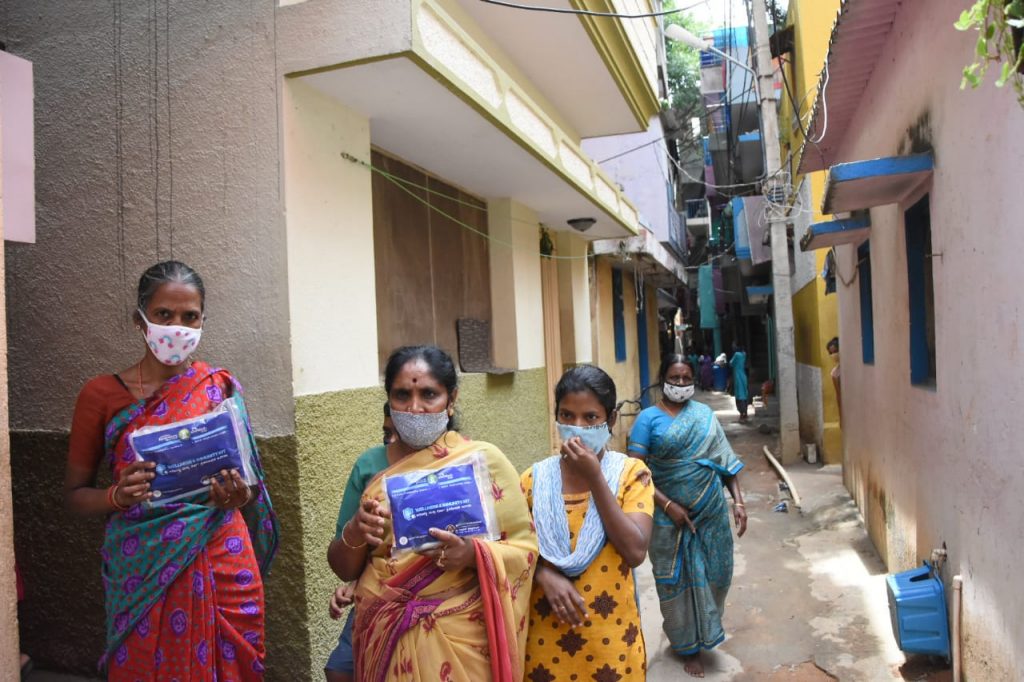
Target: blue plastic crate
{"points": [[917, 604]]}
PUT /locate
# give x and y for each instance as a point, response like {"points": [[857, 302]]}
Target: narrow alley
{"points": [[808, 600]]}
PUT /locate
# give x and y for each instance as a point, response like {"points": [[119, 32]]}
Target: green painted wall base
{"points": [[333, 429]]}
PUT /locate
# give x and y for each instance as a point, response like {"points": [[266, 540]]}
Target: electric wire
{"points": [[401, 184], [589, 13]]}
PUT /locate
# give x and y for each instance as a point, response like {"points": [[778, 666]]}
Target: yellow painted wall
{"points": [[815, 315], [626, 374]]}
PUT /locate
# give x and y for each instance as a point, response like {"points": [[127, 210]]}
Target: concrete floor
{"points": [[808, 600]]}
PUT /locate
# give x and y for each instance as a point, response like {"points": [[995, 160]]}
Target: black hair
{"points": [[168, 271], [834, 341], [587, 378], [387, 409], [441, 366], [666, 364]]}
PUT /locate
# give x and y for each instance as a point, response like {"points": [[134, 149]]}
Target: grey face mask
{"points": [[420, 429]]}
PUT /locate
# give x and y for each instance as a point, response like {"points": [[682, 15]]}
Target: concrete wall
{"points": [[643, 173], [517, 316], [937, 465], [131, 169], [8, 591], [814, 313], [330, 243]]}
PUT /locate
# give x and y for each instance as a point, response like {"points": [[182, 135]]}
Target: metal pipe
{"points": [[958, 589], [785, 477]]}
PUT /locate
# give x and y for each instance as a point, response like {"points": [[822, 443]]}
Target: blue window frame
{"points": [[921, 292], [867, 314], [618, 321]]}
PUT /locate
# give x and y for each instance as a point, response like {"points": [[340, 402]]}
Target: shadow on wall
{"points": [[62, 620]]}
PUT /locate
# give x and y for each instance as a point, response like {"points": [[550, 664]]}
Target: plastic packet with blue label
{"points": [[188, 453], [456, 498]]}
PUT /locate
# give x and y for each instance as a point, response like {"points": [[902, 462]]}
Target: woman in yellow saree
{"points": [[457, 612]]}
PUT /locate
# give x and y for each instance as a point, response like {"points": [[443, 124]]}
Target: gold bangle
{"points": [[112, 499], [739, 504], [345, 542], [665, 508]]}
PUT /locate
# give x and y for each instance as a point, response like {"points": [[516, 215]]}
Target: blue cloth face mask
{"points": [[594, 437]]}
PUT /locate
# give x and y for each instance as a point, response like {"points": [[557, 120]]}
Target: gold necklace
{"points": [[142, 391]]}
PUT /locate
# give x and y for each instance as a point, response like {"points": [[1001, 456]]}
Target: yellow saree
{"points": [[415, 621]]}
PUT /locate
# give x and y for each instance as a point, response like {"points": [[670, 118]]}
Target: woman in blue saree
{"points": [[691, 547]]}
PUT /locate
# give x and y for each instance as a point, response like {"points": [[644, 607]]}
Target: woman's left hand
{"points": [[739, 513], [581, 460], [230, 494], [454, 554]]}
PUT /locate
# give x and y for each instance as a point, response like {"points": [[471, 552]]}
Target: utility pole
{"points": [[774, 189]]}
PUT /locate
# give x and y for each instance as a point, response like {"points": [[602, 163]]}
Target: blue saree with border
{"points": [[693, 571]]}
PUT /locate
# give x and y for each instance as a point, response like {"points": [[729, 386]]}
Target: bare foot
{"points": [[693, 665]]}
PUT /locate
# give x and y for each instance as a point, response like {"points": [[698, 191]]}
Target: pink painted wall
{"points": [[945, 464]]}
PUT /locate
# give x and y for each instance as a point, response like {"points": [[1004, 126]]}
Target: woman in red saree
{"points": [[183, 581], [453, 613]]}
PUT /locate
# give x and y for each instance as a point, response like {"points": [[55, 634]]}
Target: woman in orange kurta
{"points": [[592, 508]]}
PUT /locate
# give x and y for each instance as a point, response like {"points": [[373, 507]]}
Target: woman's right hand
{"points": [[369, 523], [561, 594], [133, 483], [680, 516]]}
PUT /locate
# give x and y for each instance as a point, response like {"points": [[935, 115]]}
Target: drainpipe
{"points": [[958, 585]]}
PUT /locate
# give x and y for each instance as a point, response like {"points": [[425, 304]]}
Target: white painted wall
{"points": [[643, 173], [574, 298], [941, 465], [804, 262], [517, 303], [329, 218], [808, 394]]}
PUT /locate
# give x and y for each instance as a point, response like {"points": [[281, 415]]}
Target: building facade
{"points": [[347, 177], [925, 178]]}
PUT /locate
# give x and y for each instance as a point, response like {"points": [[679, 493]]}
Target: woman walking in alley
{"points": [[592, 508], [740, 389], [691, 546], [184, 589], [458, 611]]}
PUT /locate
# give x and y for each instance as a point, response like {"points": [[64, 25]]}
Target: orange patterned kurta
{"points": [[610, 646]]}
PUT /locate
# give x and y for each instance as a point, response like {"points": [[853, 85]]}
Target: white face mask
{"points": [[171, 344], [677, 394]]}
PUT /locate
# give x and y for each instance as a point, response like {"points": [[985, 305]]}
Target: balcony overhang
{"points": [[645, 255], [861, 185], [444, 104], [607, 66], [831, 233]]}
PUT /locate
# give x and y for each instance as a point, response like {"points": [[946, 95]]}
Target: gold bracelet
{"points": [[345, 542], [739, 504], [665, 508]]}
